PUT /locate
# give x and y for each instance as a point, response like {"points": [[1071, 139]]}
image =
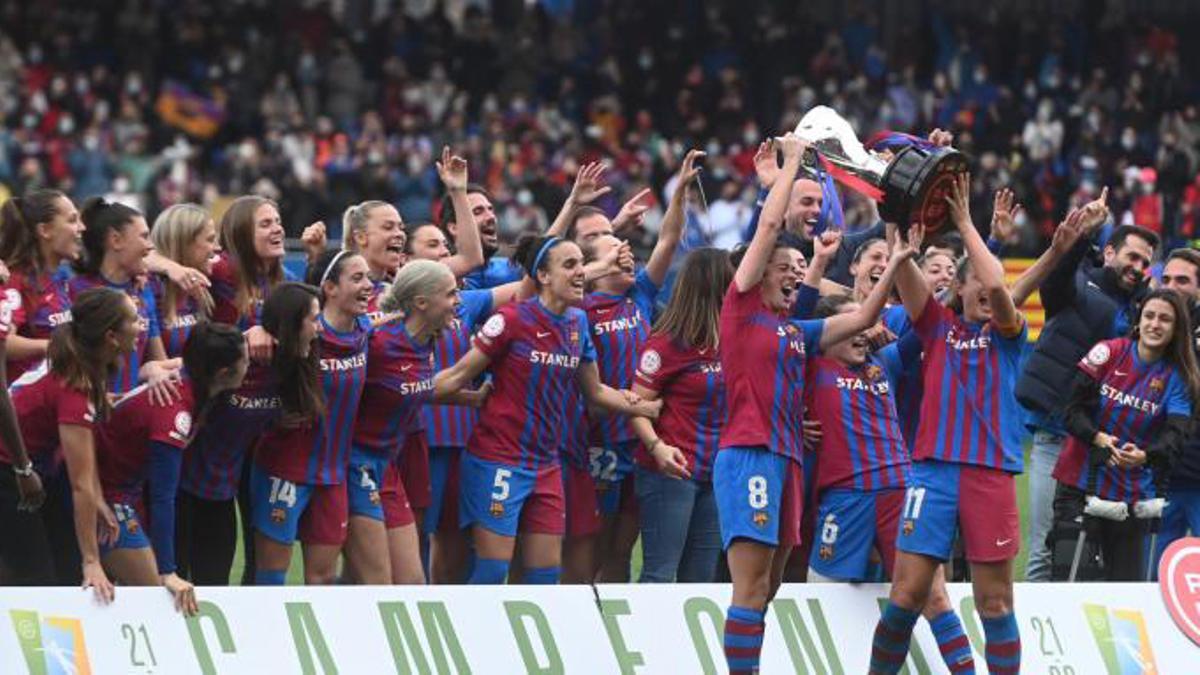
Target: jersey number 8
{"points": [[757, 485]]}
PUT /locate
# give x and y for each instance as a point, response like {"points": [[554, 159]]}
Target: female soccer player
{"points": [[116, 242], [285, 391], [1128, 415], [141, 444], [421, 302], [757, 474], [510, 474], [38, 233], [299, 473], [968, 444], [186, 235], [680, 363], [58, 404], [601, 505], [375, 230]]}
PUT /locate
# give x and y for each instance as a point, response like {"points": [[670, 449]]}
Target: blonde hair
{"points": [[417, 278], [354, 220], [174, 231]]}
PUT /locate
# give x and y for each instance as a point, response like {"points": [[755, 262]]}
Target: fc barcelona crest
{"points": [[873, 372], [761, 518], [826, 552], [278, 515], [132, 525], [1157, 384], [908, 528], [374, 496], [791, 329], [497, 509], [574, 336]]}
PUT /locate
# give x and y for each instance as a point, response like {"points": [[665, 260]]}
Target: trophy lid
{"points": [[832, 135]]}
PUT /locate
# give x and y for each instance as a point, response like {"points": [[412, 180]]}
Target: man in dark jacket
{"points": [[1182, 274], [1084, 304]]}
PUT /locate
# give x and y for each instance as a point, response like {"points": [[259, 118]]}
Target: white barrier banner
{"points": [[1065, 630]]}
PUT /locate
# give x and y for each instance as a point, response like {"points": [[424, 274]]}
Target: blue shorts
{"points": [[849, 524], [284, 511], [759, 496], [363, 483], [943, 497], [130, 533], [504, 498]]}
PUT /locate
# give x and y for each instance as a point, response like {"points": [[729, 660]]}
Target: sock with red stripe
{"points": [[889, 647], [1003, 650], [743, 639], [953, 643]]}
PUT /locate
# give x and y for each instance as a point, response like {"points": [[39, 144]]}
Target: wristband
{"points": [[25, 472]]}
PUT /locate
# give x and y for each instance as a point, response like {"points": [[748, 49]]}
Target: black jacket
{"points": [[1084, 304], [1187, 466]]}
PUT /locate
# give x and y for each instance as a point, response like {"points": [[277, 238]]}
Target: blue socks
{"points": [[270, 577], [953, 643], [547, 576], [889, 647], [489, 571], [743, 639], [1003, 650]]}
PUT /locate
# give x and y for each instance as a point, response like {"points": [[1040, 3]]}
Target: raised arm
{"points": [[1065, 237], [841, 326], [456, 378], [910, 283], [754, 263], [588, 188], [672, 223], [468, 255], [987, 267]]}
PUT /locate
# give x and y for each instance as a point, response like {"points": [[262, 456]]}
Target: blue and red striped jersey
{"points": [[123, 440], [763, 357], [224, 292], [39, 303], [1135, 399], [126, 377], [318, 453], [42, 401], [691, 385], [969, 414], [535, 357], [862, 446], [911, 384], [175, 329], [212, 463], [620, 325], [574, 446], [449, 426], [374, 313], [399, 384]]}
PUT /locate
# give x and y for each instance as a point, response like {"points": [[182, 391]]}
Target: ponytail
{"points": [[100, 218], [210, 348]]}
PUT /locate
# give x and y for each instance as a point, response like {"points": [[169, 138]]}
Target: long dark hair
{"points": [[692, 316], [19, 219], [527, 251], [1181, 351], [283, 314], [100, 218], [210, 347], [236, 234], [328, 267], [78, 350]]}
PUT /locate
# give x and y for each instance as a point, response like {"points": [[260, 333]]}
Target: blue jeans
{"points": [[1042, 458], [1181, 515], [681, 538]]}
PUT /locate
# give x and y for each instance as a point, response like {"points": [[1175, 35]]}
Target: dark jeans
{"points": [[25, 545], [681, 538], [1121, 544], [205, 539]]}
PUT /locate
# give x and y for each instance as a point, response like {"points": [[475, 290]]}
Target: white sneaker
{"points": [[1149, 508], [1102, 508]]}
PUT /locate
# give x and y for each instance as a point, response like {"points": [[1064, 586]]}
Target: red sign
{"points": [[1179, 580]]}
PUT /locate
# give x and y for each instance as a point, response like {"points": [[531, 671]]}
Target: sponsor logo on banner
{"points": [[1121, 636], [51, 645], [1179, 581]]}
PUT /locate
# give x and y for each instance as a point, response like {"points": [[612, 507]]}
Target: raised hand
{"points": [[1004, 215], [1095, 212], [1068, 232], [452, 169], [314, 239], [941, 138], [792, 146], [588, 184], [959, 202], [632, 211], [909, 246], [826, 246], [766, 164]]}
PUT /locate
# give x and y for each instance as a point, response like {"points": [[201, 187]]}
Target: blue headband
{"points": [[537, 261]]}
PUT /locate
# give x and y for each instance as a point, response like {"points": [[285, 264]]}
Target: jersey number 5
{"points": [[500, 488]]}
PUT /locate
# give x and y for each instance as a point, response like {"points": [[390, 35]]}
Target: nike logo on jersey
{"points": [[1119, 373], [1003, 542], [406, 367], [540, 334]]}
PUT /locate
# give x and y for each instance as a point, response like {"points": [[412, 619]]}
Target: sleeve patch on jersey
{"points": [[1099, 355], [183, 423], [494, 326], [651, 362]]}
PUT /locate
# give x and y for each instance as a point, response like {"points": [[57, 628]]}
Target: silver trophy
{"points": [[910, 184]]}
